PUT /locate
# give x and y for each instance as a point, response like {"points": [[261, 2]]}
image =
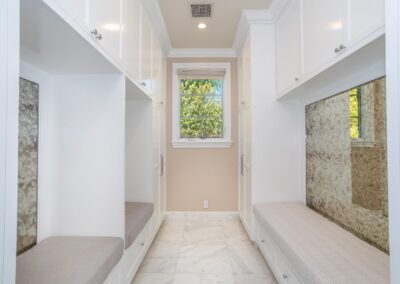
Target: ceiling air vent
{"points": [[201, 10]]}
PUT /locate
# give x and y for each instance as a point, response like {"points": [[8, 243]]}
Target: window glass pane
{"points": [[355, 113], [201, 108]]}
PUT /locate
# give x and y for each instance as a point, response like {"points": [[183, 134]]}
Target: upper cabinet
{"points": [[78, 10], [312, 35], [365, 16], [132, 37], [322, 31], [288, 46], [146, 52], [106, 25]]}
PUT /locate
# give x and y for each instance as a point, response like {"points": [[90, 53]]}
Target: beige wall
{"points": [[194, 175]]}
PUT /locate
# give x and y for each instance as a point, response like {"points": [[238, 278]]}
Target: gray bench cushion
{"points": [[69, 260], [320, 250], [137, 214]]}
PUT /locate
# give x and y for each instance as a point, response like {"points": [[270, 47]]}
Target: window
{"points": [[201, 105], [355, 113]]}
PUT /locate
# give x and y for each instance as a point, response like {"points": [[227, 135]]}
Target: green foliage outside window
{"points": [[201, 108], [355, 113]]}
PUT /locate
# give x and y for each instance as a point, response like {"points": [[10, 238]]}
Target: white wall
{"points": [[138, 145], [393, 125], [47, 148], [90, 182], [9, 90]]}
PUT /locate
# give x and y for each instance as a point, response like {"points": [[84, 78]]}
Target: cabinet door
{"points": [[145, 51], [288, 46], [77, 10], [365, 16], [132, 37], [323, 23], [106, 18]]}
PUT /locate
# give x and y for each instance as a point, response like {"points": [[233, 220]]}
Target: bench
{"points": [[69, 260], [301, 246], [137, 214]]}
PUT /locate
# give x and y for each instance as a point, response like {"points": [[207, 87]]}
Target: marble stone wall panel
{"points": [[27, 165]]}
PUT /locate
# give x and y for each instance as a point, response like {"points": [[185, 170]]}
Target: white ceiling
{"points": [[221, 27]]}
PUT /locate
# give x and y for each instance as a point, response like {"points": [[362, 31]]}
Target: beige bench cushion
{"points": [[137, 214], [69, 260], [320, 250]]}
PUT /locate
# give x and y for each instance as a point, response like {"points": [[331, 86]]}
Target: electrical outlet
{"points": [[205, 204]]}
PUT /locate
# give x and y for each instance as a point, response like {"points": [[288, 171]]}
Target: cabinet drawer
{"points": [[284, 273], [135, 252], [266, 244]]}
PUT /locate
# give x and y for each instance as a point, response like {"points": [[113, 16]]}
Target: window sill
{"points": [[202, 144]]}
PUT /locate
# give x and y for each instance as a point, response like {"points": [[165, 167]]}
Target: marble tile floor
{"points": [[203, 252]]}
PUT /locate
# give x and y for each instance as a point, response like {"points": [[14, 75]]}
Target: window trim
{"points": [[177, 141]]}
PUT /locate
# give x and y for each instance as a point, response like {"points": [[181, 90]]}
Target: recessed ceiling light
{"points": [[202, 26]]}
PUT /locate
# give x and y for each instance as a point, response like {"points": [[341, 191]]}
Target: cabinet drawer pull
{"points": [[337, 49], [94, 32], [296, 79], [263, 241], [342, 47], [144, 84], [142, 244], [284, 276], [99, 37]]}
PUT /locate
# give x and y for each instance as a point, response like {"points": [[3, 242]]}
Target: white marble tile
{"points": [[254, 279], [182, 278], [203, 235], [198, 216], [215, 264], [153, 278], [217, 279], [247, 259], [203, 250], [162, 249], [158, 265]]}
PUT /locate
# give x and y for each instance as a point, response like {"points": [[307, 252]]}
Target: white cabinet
{"points": [[312, 36], [288, 46], [132, 38], [365, 16], [322, 31], [106, 25], [146, 51], [77, 9]]}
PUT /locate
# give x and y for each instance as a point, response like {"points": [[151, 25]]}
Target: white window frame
{"points": [[177, 141]]}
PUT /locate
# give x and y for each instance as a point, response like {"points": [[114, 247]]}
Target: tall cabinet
{"points": [[269, 157]]}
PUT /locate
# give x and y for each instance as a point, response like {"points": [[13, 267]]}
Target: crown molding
{"points": [[252, 17], [153, 10], [202, 52]]}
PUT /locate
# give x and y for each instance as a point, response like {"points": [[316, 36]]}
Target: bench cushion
{"points": [[137, 214], [319, 250], [69, 260]]}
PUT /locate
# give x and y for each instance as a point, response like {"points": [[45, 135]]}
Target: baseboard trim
{"points": [[202, 216]]}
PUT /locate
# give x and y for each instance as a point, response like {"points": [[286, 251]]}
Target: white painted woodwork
{"points": [[145, 51], [9, 94], [393, 131], [78, 10], [288, 46], [272, 169], [105, 16], [364, 17], [132, 37], [322, 31]]}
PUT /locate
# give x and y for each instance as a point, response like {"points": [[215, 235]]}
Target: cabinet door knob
{"points": [[99, 37], [296, 79], [342, 46], [337, 49], [143, 84], [284, 276], [142, 244], [94, 32], [263, 241]]}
